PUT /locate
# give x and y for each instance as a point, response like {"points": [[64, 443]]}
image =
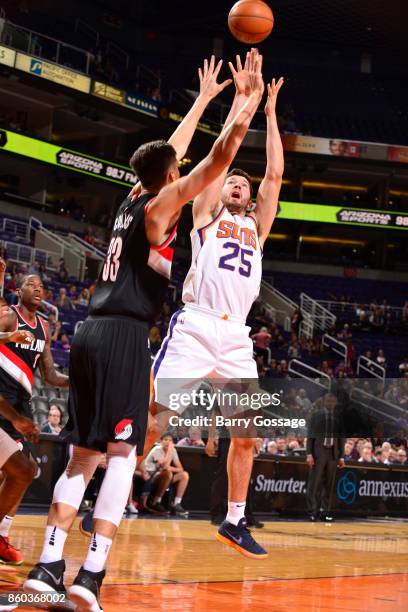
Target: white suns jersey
{"points": [[226, 269]]}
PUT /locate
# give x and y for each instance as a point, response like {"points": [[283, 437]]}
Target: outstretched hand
{"points": [[273, 90], [248, 79], [208, 75]]}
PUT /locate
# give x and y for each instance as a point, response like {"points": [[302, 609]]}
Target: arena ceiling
{"points": [[361, 23]]}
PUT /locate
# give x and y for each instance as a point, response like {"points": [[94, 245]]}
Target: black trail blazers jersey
{"points": [[18, 361], [135, 276]]}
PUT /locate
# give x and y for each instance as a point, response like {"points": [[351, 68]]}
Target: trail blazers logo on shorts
{"points": [[123, 429]]}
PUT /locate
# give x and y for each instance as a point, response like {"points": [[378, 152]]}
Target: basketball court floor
{"points": [[178, 565]]}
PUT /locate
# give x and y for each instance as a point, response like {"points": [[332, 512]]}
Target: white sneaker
{"points": [[131, 509]]}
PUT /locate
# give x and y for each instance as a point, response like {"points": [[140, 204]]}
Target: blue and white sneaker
{"points": [[239, 537]]}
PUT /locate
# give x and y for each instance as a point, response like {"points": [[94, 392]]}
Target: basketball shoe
{"points": [[85, 591], [239, 537], [9, 554]]}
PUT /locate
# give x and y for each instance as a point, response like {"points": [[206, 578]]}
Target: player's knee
{"points": [[185, 475], [242, 444], [20, 468]]}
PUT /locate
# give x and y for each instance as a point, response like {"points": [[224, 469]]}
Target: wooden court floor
{"points": [[178, 565]]}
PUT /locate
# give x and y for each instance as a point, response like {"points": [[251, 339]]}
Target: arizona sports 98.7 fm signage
{"points": [[49, 153]]}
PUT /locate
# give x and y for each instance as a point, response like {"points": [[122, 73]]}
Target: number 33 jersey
{"points": [[135, 275], [226, 268]]}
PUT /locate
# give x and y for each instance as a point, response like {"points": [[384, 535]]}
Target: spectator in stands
{"points": [[193, 439], [385, 453], [83, 299], [303, 401], [34, 268], [155, 339], [345, 334], [294, 348], [65, 343], [405, 312], [402, 456], [367, 454], [54, 424], [295, 321], [262, 370], [72, 292], [351, 354], [380, 359], [262, 340], [362, 315], [272, 448], [403, 366], [62, 271], [326, 369], [348, 451], [164, 467], [42, 273], [282, 447], [377, 319], [63, 301], [55, 327]]}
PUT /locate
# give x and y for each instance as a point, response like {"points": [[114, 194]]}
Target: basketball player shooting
{"points": [[208, 336], [110, 357]]}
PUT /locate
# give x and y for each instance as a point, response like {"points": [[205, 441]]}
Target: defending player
{"points": [[110, 358], [208, 336], [18, 361]]}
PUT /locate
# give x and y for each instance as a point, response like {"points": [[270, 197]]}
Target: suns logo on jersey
{"points": [[244, 235]]}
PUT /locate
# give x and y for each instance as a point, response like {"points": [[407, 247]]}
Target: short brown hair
{"points": [[151, 162], [239, 172]]}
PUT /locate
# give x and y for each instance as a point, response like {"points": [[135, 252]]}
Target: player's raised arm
{"points": [[268, 193], [209, 89], [175, 195], [206, 205]]}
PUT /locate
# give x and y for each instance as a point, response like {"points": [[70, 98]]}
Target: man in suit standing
{"points": [[325, 447]]}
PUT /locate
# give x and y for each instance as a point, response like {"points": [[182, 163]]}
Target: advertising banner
{"points": [[53, 72], [7, 56]]}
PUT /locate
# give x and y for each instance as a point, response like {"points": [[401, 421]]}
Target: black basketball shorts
{"points": [[109, 378]]}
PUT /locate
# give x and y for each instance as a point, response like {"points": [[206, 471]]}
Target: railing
{"points": [[306, 328], [51, 307], [335, 345], [20, 229], [381, 407], [364, 364], [296, 368], [24, 254], [85, 247], [323, 319], [282, 306], [46, 47], [348, 309]]}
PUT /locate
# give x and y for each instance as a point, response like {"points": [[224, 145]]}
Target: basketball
{"points": [[250, 21]]}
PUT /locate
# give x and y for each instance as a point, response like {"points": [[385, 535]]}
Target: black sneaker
{"points": [[178, 509], [85, 591], [157, 508], [239, 537], [48, 578]]}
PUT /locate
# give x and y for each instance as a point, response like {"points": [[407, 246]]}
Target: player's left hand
{"points": [[21, 337], [27, 428], [273, 90], [208, 75]]}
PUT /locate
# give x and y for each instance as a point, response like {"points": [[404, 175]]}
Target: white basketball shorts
{"points": [[202, 343]]}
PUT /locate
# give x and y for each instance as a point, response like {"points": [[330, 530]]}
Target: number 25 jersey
{"points": [[134, 278], [226, 269]]}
